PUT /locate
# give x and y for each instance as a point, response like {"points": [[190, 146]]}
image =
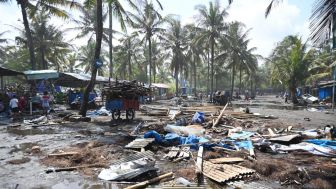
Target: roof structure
{"points": [[8, 72], [41, 74], [75, 80]]}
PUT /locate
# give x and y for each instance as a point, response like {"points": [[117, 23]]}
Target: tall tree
{"points": [[290, 61], [31, 6], [174, 40], [147, 21], [99, 37], [211, 19], [194, 52], [115, 8]]}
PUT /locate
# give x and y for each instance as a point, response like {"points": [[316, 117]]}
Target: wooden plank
{"points": [[271, 132], [220, 116], [227, 160], [63, 154]]}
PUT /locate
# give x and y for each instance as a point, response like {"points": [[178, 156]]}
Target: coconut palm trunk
{"points": [[110, 41], [28, 34], [208, 76], [232, 79], [99, 36], [150, 65], [176, 79], [240, 78], [195, 74], [212, 41]]}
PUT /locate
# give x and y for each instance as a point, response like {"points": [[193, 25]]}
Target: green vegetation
{"points": [[210, 54]]}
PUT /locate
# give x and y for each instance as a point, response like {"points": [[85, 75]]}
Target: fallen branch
{"points": [[220, 116], [153, 180], [73, 168], [63, 154]]}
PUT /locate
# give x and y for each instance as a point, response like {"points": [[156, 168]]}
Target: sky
{"points": [[287, 18]]}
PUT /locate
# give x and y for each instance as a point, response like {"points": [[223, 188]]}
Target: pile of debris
{"points": [[128, 89]]}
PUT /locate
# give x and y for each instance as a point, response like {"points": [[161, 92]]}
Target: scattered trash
{"points": [[196, 130], [199, 117], [128, 170], [183, 181]]}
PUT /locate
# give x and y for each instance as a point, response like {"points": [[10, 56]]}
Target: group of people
{"points": [[18, 105]]}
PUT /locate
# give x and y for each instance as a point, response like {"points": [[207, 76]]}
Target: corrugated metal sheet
{"points": [[249, 185], [41, 74], [223, 172], [134, 157], [140, 143]]}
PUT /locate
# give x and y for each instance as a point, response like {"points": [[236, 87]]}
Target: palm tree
{"points": [[321, 67], [322, 20], [290, 61], [2, 41], [174, 41], [235, 47], [50, 46], [212, 22], [87, 24], [147, 21], [99, 37], [126, 54], [51, 6], [194, 52], [115, 8]]}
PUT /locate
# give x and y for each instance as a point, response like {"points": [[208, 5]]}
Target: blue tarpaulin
{"points": [[241, 135], [324, 143]]}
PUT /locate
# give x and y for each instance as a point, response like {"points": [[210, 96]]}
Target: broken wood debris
{"points": [[50, 170], [223, 172], [226, 160], [219, 117], [63, 154]]}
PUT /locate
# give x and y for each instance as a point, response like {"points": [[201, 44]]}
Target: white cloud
{"points": [[284, 19]]}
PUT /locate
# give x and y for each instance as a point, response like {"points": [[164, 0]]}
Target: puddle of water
{"points": [[25, 132], [22, 147]]}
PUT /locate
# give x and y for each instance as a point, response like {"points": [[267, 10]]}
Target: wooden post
{"points": [[199, 166], [219, 117]]}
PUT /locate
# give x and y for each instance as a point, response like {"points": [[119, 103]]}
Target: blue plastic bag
{"points": [[153, 134], [199, 117]]}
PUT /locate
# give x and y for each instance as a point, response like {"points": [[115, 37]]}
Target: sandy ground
{"points": [[101, 142]]}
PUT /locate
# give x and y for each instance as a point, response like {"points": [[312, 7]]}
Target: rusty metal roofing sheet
{"points": [[223, 172]]}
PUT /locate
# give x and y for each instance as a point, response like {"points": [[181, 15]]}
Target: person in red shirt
{"points": [[22, 103], [45, 99]]}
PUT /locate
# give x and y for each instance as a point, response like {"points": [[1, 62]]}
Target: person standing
{"points": [[45, 99], [13, 105]]}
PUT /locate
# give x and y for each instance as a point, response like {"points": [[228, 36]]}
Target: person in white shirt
{"points": [[13, 105]]}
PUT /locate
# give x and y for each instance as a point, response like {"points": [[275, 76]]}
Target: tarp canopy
{"points": [[75, 80], [41, 74], [9, 72], [160, 85]]}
